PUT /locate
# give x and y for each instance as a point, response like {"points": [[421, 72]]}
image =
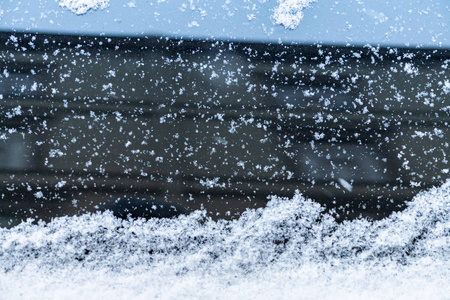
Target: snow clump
{"points": [[289, 13], [81, 7]]}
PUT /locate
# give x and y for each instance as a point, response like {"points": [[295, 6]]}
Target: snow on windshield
{"points": [[89, 119], [289, 13], [81, 7], [288, 250]]}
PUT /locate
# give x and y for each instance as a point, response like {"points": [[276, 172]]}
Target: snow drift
{"points": [[290, 249]]}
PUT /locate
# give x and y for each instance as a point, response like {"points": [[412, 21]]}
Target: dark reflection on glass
{"points": [[216, 125]]}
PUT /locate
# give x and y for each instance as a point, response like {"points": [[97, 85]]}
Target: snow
{"points": [[288, 250], [289, 13], [80, 7], [446, 87]]}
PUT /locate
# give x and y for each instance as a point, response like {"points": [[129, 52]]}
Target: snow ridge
{"points": [[289, 249]]}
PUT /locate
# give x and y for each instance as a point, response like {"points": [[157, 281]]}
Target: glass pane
{"points": [[224, 143]]}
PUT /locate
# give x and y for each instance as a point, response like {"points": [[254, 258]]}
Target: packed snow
{"points": [[289, 250]]}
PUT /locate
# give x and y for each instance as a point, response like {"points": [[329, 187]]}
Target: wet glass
{"points": [[224, 137]]}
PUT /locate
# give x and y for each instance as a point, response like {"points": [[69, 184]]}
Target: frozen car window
{"points": [[189, 141]]}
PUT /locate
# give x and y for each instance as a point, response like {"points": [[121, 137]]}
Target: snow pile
{"points": [[81, 7], [289, 13], [290, 249]]}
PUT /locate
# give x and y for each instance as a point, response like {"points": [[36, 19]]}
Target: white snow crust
{"points": [[288, 250], [81, 7], [289, 13]]}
